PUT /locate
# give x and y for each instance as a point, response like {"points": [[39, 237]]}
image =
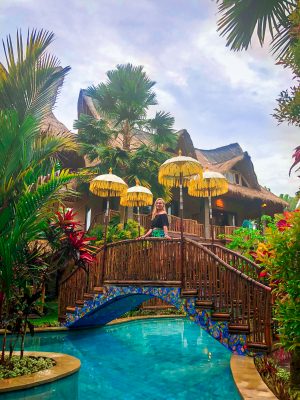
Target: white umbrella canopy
{"points": [[212, 184], [137, 196], [178, 170], [108, 185]]}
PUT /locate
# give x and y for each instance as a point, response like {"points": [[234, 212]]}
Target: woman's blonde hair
{"points": [[154, 211]]}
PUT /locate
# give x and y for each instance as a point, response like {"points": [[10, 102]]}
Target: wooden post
{"points": [[181, 229], [210, 216], [139, 221], [105, 238]]}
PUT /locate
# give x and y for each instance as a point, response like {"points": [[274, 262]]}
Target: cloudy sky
{"points": [[219, 96]]}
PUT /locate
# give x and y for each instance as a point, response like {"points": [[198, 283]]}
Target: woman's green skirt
{"points": [[158, 233]]}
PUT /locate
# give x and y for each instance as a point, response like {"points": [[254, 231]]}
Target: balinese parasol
{"points": [[108, 185], [212, 184], [137, 196], [176, 172]]}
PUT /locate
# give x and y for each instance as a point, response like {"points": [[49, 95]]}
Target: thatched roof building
{"points": [[246, 197]]}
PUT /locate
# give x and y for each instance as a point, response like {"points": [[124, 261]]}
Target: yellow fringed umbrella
{"points": [[176, 172], [137, 196], [108, 185], [210, 185]]}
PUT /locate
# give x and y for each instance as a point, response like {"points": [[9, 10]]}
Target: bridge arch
{"points": [[117, 300]]}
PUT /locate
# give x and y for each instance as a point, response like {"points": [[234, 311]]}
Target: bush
{"points": [[24, 366], [116, 232]]}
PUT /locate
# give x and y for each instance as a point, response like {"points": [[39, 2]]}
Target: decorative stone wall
{"points": [[119, 299]]}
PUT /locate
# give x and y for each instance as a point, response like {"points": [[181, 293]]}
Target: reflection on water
{"points": [[150, 359]]}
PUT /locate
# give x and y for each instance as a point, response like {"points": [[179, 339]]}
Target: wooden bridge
{"points": [[216, 287]]}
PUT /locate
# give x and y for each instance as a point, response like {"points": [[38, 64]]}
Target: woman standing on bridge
{"points": [[159, 221]]}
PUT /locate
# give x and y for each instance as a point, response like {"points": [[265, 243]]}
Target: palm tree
{"points": [[123, 101], [31, 77], [30, 182], [240, 18], [122, 104], [29, 187]]}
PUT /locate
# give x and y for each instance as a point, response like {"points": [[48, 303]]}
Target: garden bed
{"points": [[62, 365], [276, 376], [24, 366]]}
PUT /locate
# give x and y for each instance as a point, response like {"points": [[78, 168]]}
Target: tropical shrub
{"points": [[275, 377], [280, 256], [244, 240], [116, 232], [31, 181], [25, 366]]}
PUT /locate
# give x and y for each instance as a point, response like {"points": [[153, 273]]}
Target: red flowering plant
{"points": [[69, 241], [280, 257]]}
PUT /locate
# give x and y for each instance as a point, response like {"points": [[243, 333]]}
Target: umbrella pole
{"points": [[181, 229], [139, 220], [105, 238], [106, 217], [210, 216]]}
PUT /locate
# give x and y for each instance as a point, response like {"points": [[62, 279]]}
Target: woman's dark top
{"points": [[159, 221]]}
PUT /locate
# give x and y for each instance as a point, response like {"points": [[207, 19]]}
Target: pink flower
{"points": [[282, 225]]}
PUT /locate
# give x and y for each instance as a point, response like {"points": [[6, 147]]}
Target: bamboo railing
{"points": [[190, 226], [223, 230], [247, 301], [235, 259], [73, 286], [158, 262]]}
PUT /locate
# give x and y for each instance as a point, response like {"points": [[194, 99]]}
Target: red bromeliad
{"points": [[66, 220], [296, 156]]}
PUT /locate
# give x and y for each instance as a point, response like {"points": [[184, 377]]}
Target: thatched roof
{"points": [[221, 159], [221, 154], [233, 158], [261, 194], [69, 159]]}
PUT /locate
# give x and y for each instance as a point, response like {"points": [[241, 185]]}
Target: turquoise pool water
{"points": [[156, 359]]}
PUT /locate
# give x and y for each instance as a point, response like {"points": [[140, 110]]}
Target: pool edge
{"points": [[65, 365], [248, 380]]}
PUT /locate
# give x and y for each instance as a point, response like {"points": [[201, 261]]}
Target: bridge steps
{"points": [[212, 279]]}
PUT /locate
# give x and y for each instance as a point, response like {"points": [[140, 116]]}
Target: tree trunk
{"points": [[126, 136], [295, 369]]}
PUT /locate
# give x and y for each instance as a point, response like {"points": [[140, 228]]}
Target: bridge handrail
{"points": [[158, 261], [253, 270], [224, 264]]}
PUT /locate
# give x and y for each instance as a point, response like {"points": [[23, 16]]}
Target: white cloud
{"points": [[218, 95]]}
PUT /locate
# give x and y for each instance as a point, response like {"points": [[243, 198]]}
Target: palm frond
{"points": [[31, 79], [240, 18]]}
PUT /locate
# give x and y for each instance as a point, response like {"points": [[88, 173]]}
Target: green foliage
{"points": [[116, 139], [240, 18], [276, 378], [31, 77], [31, 180], [283, 265], [116, 232], [50, 317], [24, 366], [144, 312], [244, 240]]}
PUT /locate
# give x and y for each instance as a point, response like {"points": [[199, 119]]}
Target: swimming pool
{"points": [[155, 359]]}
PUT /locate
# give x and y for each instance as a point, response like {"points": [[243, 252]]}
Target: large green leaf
{"points": [[32, 77], [240, 18]]}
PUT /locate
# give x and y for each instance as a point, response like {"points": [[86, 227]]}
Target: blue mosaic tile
{"points": [[118, 299]]}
